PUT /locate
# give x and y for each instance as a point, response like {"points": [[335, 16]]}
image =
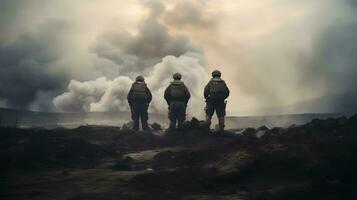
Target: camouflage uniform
{"points": [[215, 93], [177, 96], [139, 98]]}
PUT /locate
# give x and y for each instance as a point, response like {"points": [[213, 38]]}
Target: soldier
{"points": [[139, 98], [215, 93], [177, 96]]}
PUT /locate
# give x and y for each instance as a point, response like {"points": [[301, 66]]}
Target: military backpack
{"points": [[177, 91], [217, 89], [139, 91]]}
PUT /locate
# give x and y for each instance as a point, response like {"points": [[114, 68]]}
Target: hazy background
{"points": [[277, 56]]}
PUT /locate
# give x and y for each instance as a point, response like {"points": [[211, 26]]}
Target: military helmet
{"points": [[216, 73], [139, 78], [176, 76]]}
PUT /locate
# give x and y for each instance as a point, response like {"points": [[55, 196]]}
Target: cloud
{"points": [[196, 14], [140, 51], [26, 65]]}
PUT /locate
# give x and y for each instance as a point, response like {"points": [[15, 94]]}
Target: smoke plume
{"points": [[105, 95], [153, 52], [25, 71]]}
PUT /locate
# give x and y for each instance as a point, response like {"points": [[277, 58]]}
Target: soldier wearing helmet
{"points": [[177, 97], [215, 93], [139, 98]]}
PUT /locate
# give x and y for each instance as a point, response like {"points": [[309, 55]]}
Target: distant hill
{"points": [[344, 103], [277, 120], [25, 118]]}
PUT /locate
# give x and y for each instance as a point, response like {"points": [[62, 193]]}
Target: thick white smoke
{"points": [[81, 95], [103, 95]]}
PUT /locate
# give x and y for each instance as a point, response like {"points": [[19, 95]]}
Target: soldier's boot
{"points": [[180, 124], [136, 125], [145, 126], [172, 125], [221, 123], [208, 121]]}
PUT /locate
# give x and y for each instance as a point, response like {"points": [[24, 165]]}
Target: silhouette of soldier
{"points": [[177, 96], [139, 98], [215, 93]]}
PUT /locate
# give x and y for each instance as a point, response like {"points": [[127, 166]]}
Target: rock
{"points": [[342, 121], [123, 164], [329, 123], [292, 126], [352, 122], [263, 128], [186, 125], [276, 131], [156, 126], [195, 123], [259, 134], [249, 130], [353, 119], [203, 125], [127, 126]]}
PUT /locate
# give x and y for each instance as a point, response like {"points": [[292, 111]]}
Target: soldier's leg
{"points": [[172, 124], [209, 109], [181, 114], [135, 117], [132, 112], [172, 116], [221, 124], [221, 113], [144, 117]]}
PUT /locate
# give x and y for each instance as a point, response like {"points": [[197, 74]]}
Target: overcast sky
{"points": [[65, 55]]}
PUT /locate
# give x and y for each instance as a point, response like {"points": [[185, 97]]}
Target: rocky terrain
{"points": [[317, 160]]}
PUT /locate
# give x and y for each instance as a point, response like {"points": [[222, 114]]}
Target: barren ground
{"points": [[313, 161]]}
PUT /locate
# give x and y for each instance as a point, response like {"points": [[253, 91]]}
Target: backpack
{"points": [[139, 91], [217, 89], [177, 91]]}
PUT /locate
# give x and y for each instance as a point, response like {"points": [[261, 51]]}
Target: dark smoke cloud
{"points": [[25, 65], [137, 52], [336, 54], [336, 61]]}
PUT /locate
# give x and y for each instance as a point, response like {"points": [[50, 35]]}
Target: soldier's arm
{"points": [[206, 91], [227, 90], [187, 94], [130, 96], [167, 95], [148, 92]]}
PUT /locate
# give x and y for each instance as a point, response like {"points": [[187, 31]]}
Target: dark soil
{"points": [[317, 160]]}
